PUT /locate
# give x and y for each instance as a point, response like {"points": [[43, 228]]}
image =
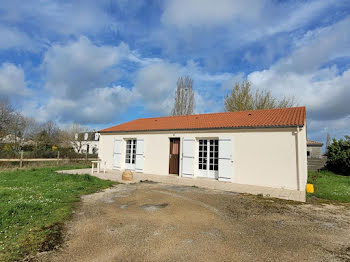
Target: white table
{"points": [[98, 166]]}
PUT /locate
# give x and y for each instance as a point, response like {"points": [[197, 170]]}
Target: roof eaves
{"points": [[209, 128], [314, 144]]}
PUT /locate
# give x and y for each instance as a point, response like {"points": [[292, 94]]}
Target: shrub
{"points": [[7, 151], [338, 159]]}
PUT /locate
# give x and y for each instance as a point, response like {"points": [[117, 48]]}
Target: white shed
{"points": [[260, 147]]}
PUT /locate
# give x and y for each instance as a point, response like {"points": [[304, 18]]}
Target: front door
{"points": [[208, 158], [130, 154], [174, 156]]}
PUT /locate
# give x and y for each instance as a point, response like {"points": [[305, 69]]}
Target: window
{"points": [[308, 153], [130, 154], [203, 151], [214, 155], [96, 136], [208, 154]]}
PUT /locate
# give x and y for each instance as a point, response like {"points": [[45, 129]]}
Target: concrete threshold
{"points": [[116, 175]]}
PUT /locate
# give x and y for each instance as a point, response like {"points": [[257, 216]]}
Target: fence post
{"points": [[21, 160], [58, 157]]}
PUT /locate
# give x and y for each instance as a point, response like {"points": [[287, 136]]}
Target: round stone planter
{"points": [[127, 175]]}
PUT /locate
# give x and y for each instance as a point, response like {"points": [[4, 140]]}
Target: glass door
{"points": [[208, 158], [130, 154]]}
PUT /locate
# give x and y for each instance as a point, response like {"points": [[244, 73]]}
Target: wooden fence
{"points": [[57, 159]]}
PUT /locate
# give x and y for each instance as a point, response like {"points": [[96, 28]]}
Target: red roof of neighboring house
{"points": [[313, 143], [282, 117]]}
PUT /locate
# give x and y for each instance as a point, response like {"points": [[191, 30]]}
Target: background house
{"points": [[315, 159], [314, 149], [86, 142]]}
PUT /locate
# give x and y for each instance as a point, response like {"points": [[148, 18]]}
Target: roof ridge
{"points": [[282, 117], [215, 113]]}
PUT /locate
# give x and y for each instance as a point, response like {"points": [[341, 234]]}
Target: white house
{"points": [[261, 147], [86, 142]]}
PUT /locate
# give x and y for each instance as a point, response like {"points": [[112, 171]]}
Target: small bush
{"points": [[338, 156]]}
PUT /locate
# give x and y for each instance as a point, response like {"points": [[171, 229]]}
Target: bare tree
{"points": [[15, 131], [74, 137], [7, 112], [15, 128], [243, 98], [184, 97], [31, 129], [48, 135]]}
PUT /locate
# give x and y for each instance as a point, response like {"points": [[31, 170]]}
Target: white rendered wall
{"points": [[264, 157]]}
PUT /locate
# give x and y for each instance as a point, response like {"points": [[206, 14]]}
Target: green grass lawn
{"points": [[330, 186], [63, 164], [34, 203]]}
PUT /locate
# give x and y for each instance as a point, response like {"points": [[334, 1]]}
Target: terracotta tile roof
{"points": [[283, 117], [313, 143]]}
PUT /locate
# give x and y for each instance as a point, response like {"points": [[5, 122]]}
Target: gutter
{"points": [[199, 129], [298, 158]]}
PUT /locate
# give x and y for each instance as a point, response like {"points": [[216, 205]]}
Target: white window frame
{"points": [[210, 148], [131, 163]]}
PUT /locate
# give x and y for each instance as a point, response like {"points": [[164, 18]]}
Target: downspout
{"points": [[298, 159]]}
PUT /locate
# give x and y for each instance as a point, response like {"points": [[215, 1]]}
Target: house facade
{"points": [[86, 142], [262, 147], [314, 149]]}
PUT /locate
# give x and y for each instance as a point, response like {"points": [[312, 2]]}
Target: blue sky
{"points": [[100, 63]]}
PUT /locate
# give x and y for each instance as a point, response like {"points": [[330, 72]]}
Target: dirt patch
{"points": [[54, 238], [153, 207], [157, 222]]}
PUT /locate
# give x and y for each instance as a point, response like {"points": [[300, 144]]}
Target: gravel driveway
{"points": [[157, 222]]}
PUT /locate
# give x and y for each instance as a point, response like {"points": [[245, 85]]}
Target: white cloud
{"points": [[244, 19], [325, 98], [11, 37], [318, 129], [217, 33], [100, 105], [323, 90], [64, 18], [325, 93], [79, 66], [31, 25], [155, 84], [79, 80], [295, 15], [317, 47], [229, 83], [12, 81], [184, 13]]}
